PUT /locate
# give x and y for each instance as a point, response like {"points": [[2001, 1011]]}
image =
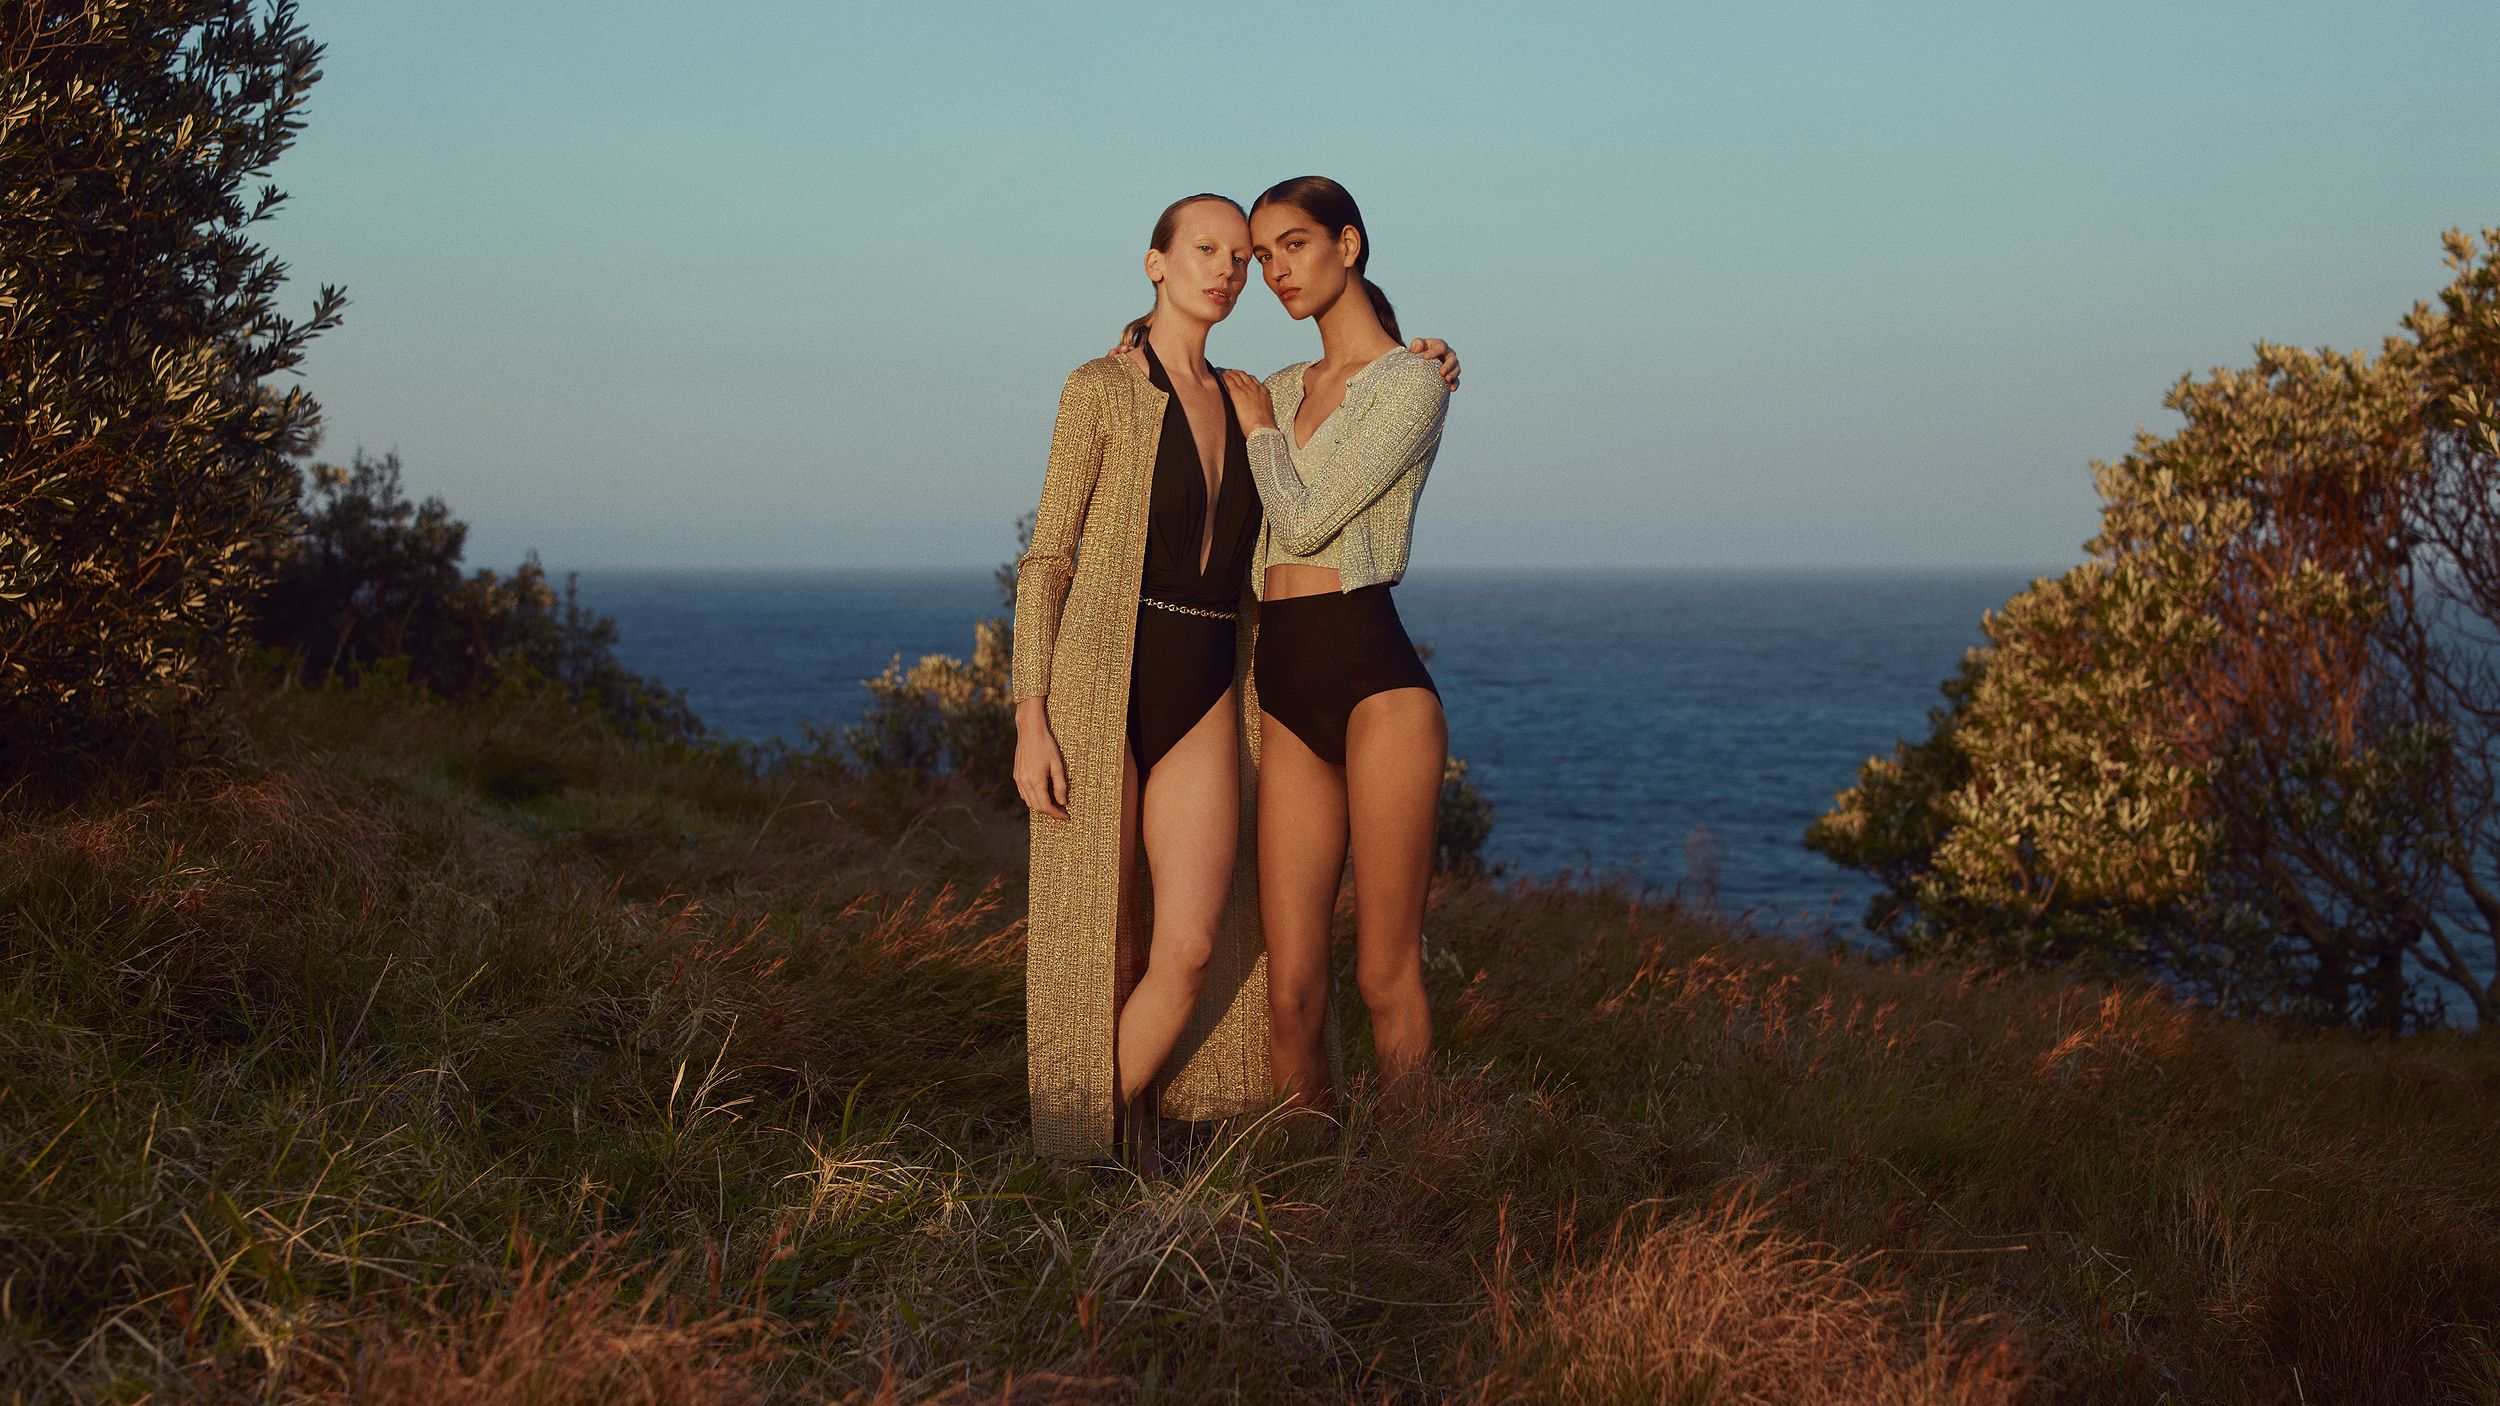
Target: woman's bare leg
{"points": [[1191, 821], [1396, 742], [1302, 840]]}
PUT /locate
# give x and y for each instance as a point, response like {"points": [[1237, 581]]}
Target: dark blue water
{"points": [[1621, 723]]}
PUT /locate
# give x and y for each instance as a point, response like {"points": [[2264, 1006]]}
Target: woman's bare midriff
{"points": [[1284, 581]]}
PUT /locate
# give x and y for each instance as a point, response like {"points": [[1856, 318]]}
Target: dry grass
{"points": [[555, 1337], [2156, 1203], [299, 1056], [1721, 1305]]}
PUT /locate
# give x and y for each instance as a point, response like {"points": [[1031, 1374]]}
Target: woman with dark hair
{"points": [[1353, 737], [1130, 677]]}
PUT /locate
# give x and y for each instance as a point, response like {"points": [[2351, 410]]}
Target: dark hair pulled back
{"points": [[1329, 204], [1167, 229]]}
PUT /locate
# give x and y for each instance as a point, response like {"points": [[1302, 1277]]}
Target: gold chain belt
{"points": [[1187, 609]]}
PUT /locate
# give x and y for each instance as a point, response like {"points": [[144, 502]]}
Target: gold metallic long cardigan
{"points": [[1076, 622]]}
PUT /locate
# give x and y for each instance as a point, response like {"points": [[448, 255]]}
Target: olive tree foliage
{"points": [[145, 470], [2451, 646], [2247, 744]]}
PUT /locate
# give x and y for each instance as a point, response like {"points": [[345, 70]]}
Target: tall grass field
{"points": [[429, 1054]]}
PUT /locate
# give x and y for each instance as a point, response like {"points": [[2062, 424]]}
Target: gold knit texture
{"points": [[1077, 594]]}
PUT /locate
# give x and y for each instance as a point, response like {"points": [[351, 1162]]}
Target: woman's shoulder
{"points": [[1289, 376], [1405, 368], [1402, 375], [1101, 372], [1106, 384]]}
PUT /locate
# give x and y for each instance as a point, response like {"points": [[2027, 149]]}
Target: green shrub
{"points": [[1461, 823], [373, 577], [2248, 743], [144, 442], [944, 716]]}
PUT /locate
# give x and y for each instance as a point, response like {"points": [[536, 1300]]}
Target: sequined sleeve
{"points": [[1044, 571], [1398, 427]]}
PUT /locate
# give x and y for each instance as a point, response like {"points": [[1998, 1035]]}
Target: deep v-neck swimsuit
{"points": [[1184, 653]]}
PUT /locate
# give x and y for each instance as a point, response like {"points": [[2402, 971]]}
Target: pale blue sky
{"points": [[746, 284]]}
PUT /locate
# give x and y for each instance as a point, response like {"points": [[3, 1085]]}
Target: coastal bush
{"points": [[1461, 822], [144, 438], [369, 576], [2247, 743], [944, 716]]}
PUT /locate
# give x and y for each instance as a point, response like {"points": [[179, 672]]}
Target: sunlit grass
{"points": [[428, 1055]]}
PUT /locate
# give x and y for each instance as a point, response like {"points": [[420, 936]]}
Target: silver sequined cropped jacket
{"points": [[1347, 499]]}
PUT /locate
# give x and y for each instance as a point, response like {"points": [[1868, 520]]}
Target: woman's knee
{"points": [[1390, 983], [1297, 1009], [1182, 954]]}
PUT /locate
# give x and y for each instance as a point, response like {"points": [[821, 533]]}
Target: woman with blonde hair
{"points": [[1136, 726]]}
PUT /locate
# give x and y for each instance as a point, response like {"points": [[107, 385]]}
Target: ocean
{"points": [[1663, 728]]}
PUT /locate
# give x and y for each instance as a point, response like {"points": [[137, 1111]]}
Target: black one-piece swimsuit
{"points": [[1182, 662]]}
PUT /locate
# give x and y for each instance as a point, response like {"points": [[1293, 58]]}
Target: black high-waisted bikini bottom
{"points": [[1178, 667], [1319, 655]]}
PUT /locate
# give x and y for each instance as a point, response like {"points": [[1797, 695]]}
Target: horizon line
{"points": [[1438, 568]]}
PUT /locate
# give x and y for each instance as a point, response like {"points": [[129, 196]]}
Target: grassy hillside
{"points": [[424, 1054]]}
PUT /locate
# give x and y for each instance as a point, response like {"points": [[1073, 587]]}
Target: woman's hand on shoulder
{"points": [[1251, 404], [1434, 349]]}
